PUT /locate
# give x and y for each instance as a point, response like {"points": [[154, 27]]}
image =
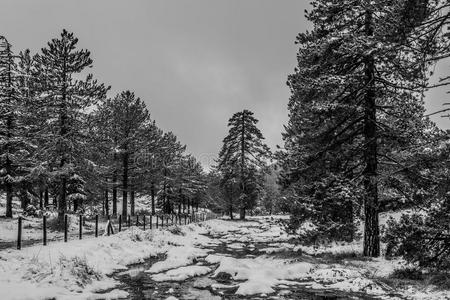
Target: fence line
{"points": [[175, 219]]}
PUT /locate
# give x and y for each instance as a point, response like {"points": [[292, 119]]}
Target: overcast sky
{"points": [[193, 62]]}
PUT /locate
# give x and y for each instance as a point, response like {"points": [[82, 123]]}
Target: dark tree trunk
{"points": [[132, 202], [242, 213], [62, 205], [231, 212], [62, 201], [9, 196], [41, 199], [188, 206], [125, 186], [106, 206], [371, 228], [114, 188], [152, 191]]}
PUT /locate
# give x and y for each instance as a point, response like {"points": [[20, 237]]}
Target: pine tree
{"points": [[357, 97], [16, 159], [65, 103], [170, 160], [243, 154], [129, 116], [9, 99]]}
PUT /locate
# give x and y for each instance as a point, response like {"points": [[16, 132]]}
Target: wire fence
{"points": [[114, 224]]}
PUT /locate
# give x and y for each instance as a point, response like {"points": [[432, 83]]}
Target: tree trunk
{"points": [[242, 213], [41, 200], [125, 185], [9, 198], [231, 212], [46, 197], [188, 206], [62, 200], [106, 202], [152, 191], [62, 205], [370, 180], [132, 202], [114, 189]]}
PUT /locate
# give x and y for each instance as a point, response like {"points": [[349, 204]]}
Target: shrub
{"points": [[421, 240]]}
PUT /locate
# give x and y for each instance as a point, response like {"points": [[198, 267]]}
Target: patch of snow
{"points": [[181, 273]]}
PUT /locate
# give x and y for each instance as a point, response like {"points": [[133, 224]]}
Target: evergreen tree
{"points": [[129, 116], [65, 103], [242, 156], [9, 100], [357, 101], [16, 159]]}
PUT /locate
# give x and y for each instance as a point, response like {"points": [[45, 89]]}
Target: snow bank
{"points": [[78, 269], [178, 257], [182, 273], [261, 273]]}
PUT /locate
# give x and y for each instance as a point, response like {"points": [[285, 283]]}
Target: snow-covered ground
{"points": [[215, 259]]}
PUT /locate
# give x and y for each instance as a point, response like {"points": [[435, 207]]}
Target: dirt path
{"points": [[239, 244]]}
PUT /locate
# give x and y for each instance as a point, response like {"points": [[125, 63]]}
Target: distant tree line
{"points": [[64, 143]]}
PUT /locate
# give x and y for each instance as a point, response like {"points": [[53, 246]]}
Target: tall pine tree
{"points": [[357, 98], [243, 154], [65, 103]]}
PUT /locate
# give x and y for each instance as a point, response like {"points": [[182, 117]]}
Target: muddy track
{"points": [[140, 285]]}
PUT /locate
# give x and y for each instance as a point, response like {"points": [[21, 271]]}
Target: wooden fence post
{"points": [[19, 234], [44, 228], [65, 228]]}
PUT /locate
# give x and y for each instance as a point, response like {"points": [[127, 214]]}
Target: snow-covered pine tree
{"points": [[243, 155], [129, 117], [150, 162], [9, 101], [170, 160], [16, 148], [37, 178], [65, 102], [357, 96]]}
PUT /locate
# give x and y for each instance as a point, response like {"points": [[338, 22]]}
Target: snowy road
{"points": [[244, 260], [216, 259]]}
